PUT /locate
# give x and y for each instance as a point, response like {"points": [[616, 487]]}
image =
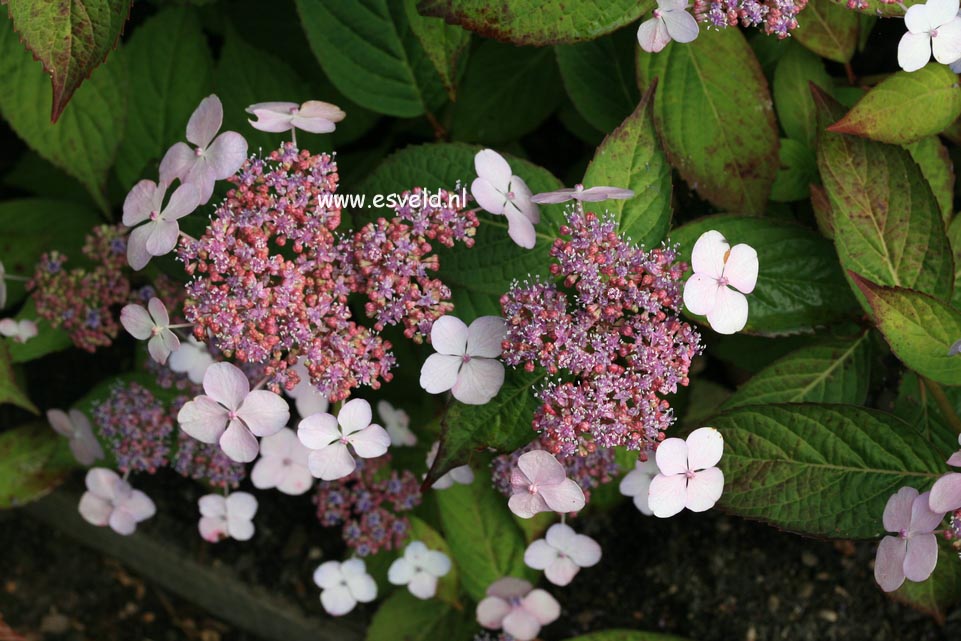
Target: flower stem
{"points": [[15, 277], [947, 410]]}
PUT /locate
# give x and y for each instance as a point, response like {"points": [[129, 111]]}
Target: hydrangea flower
{"points": [[282, 464], [307, 399], [418, 569], [722, 275], [670, 21], [913, 552], [462, 474], [562, 553], [637, 483], [590, 469], [328, 438], [231, 414], [314, 116], [109, 500], [227, 517], [512, 605], [955, 348], [152, 323], [578, 193], [540, 484], [159, 232], [191, 358], [946, 493], [932, 27], [213, 158], [135, 427], [397, 423], [20, 331], [466, 359], [498, 191], [688, 477], [344, 585], [76, 427]]}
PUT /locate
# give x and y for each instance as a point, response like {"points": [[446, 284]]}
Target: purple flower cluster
{"points": [[610, 327], [776, 17], [589, 470], [136, 427], [359, 503], [82, 300], [271, 277]]}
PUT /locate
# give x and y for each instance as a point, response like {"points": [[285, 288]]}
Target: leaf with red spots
{"points": [[70, 37], [33, 461]]}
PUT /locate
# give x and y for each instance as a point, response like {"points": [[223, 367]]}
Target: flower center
{"points": [[156, 330], [903, 533], [294, 110], [198, 152], [231, 415], [657, 13], [466, 358], [154, 215], [532, 488], [510, 196], [343, 439], [722, 281], [934, 33], [689, 474]]}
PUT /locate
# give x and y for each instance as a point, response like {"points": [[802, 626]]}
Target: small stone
{"points": [[751, 634], [828, 615], [809, 559], [773, 603], [806, 591]]}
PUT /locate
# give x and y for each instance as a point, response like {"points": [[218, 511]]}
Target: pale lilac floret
{"points": [[282, 464], [314, 116], [637, 483], [578, 193], [498, 191], [466, 359], [946, 493], [152, 325], [670, 21], [932, 28], [75, 426], [513, 606], [397, 423], [109, 500], [212, 158], [688, 477], [20, 331], [722, 275], [462, 474], [191, 358], [159, 231], [227, 517], [913, 552], [540, 484], [344, 585], [419, 569], [562, 553], [231, 414], [328, 438]]}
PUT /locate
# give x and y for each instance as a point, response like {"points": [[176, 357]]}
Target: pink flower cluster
{"points": [[359, 503], [776, 17], [271, 278], [589, 470], [82, 300], [611, 324], [136, 428]]}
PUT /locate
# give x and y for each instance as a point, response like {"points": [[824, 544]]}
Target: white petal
{"points": [[681, 25], [485, 335], [668, 495], [947, 44], [337, 600], [328, 574], [354, 416], [400, 572], [439, 373], [917, 19], [212, 505], [487, 196], [331, 463], [730, 311], [740, 270], [708, 254], [423, 585], [704, 489], [704, 448], [562, 571], [448, 335], [652, 35], [491, 166], [700, 294], [540, 554], [941, 12], [479, 381], [914, 50], [671, 456], [370, 442]]}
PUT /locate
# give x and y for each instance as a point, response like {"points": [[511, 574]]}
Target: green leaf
{"points": [[797, 171], [484, 540], [626, 635], [84, 141], [915, 405], [833, 372], [445, 45], [33, 461], [919, 328], [799, 286], [954, 239], [829, 29], [503, 424], [600, 79], [533, 22], [713, 112], [480, 275], [795, 72], [448, 585], [631, 158], [941, 591], [34, 175], [822, 470], [32, 226], [507, 92], [404, 617], [889, 112], [936, 166], [370, 53], [10, 392], [244, 76], [47, 341], [70, 39], [887, 224], [171, 70]]}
